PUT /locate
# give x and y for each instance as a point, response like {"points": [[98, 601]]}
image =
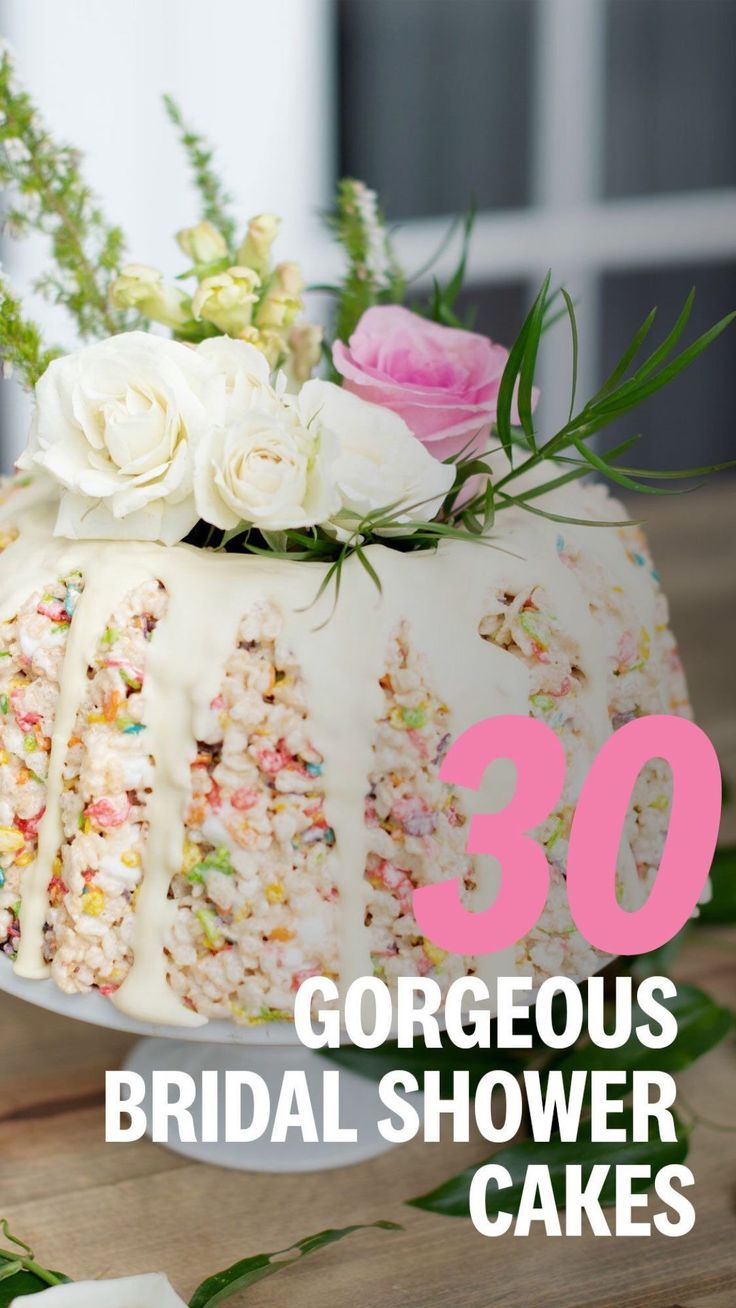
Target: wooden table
{"points": [[93, 1209]]}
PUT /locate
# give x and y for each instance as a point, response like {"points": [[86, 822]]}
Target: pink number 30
{"points": [[595, 837]]}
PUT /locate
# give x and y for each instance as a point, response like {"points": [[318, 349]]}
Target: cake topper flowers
{"points": [[146, 437], [218, 433]]}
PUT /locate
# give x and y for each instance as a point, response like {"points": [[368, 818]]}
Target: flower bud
{"points": [[203, 244], [227, 299], [305, 349], [271, 343], [250, 334], [143, 288], [255, 252], [288, 279], [277, 310]]}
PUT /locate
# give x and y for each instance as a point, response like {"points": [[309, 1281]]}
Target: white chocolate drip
{"points": [[183, 671], [92, 610], [440, 595]]}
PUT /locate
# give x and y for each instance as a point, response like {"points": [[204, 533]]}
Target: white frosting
{"points": [[441, 595]]}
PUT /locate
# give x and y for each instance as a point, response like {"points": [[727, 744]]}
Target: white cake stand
{"points": [[269, 1050]]}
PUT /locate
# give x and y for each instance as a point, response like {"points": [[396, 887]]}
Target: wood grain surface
{"points": [[95, 1209]]}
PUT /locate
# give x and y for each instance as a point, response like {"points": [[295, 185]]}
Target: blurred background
{"points": [[598, 137]]}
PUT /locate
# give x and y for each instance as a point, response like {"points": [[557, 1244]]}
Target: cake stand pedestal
{"points": [[267, 1050], [360, 1106]]}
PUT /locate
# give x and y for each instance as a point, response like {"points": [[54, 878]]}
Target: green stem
{"points": [[106, 318], [547, 451], [28, 1264], [42, 1273], [11, 1269]]}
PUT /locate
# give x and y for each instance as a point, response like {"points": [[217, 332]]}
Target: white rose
{"points": [[115, 424], [379, 461], [151, 1291], [264, 467], [239, 365]]}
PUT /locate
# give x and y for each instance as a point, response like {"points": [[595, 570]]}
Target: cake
{"points": [[257, 575], [206, 796]]}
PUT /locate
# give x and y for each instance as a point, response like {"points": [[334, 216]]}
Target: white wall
{"points": [[255, 76]]}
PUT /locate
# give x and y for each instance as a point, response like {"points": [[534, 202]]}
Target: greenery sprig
{"points": [[46, 193], [372, 275], [22, 347], [619, 394], [568, 452], [215, 201], [248, 1271], [21, 1274], [441, 307]]}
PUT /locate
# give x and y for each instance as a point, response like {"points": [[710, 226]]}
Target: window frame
{"points": [[571, 226]]}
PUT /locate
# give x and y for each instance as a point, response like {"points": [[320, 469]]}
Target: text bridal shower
{"points": [[582, 1106]]}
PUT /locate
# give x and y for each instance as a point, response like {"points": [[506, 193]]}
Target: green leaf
{"points": [[509, 501], [505, 401], [442, 300], [575, 350], [660, 354], [553, 316], [14, 1285], [455, 285], [366, 563], [615, 474], [722, 906], [673, 474], [333, 574], [627, 357], [489, 507], [22, 1283], [615, 398], [624, 399], [427, 267], [701, 1024], [658, 962], [214, 199], [223, 1285], [452, 1198], [529, 361], [581, 468], [20, 1274]]}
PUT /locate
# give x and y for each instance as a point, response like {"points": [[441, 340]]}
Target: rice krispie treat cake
{"points": [[206, 798], [211, 785]]}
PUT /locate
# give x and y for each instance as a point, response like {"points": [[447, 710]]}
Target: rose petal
{"points": [[443, 381]]}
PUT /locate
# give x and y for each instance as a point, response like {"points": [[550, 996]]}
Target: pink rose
{"points": [[442, 381]]}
